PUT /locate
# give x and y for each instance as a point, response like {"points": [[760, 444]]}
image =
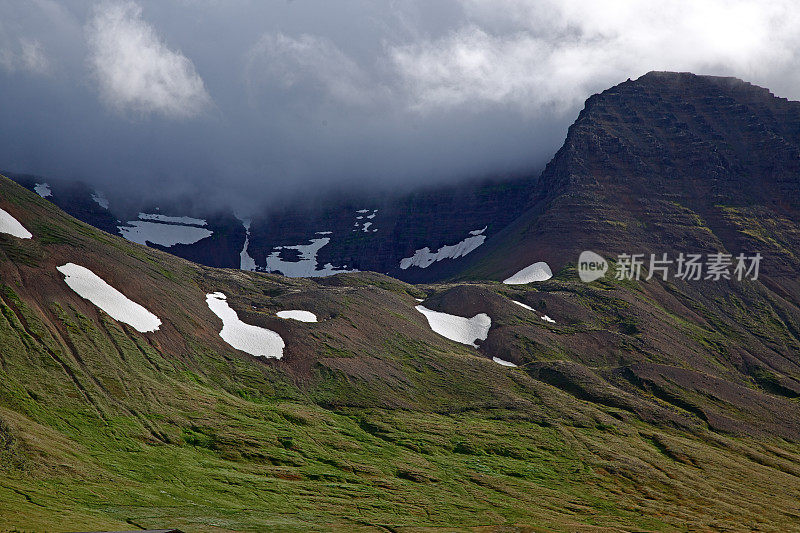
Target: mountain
{"points": [[677, 163], [417, 237], [619, 404], [668, 162]]}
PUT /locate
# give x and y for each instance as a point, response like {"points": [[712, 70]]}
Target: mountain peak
{"points": [[659, 162]]}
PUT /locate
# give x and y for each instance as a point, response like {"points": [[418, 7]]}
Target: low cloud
{"points": [[311, 96], [135, 69], [308, 63]]}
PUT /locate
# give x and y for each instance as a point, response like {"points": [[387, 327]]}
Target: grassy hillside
{"points": [[371, 421]]}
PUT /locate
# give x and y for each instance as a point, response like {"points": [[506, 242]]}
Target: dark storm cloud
{"points": [[249, 102]]}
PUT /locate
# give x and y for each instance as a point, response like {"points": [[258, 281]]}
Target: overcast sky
{"points": [[249, 101]]}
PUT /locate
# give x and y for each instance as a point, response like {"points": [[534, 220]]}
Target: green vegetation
{"points": [[638, 409]]}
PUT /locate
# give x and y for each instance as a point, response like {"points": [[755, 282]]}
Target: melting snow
{"points": [[92, 287], [12, 226], [296, 314], [176, 220], [100, 199], [503, 362], [366, 226], [254, 340], [306, 266], [424, 258], [528, 307], [457, 328], [363, 211], [548, 319], [324, 232], [536, 272], [245, 261], [162, 234], [43, 190]]}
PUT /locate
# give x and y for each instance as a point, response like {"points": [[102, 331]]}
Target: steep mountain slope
{"points": [[666, 163], [669, 164], [418, 236]]}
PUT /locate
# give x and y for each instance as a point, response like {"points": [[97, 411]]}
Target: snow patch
{"points": [[175, 220], [457, 328], [100, 199], [503, 362], [12, 226], [306, 267], [162, 234], [528, 307], [536, 272], [296, 314], [478, 231], [254, 340], [324, 233], [245, 261], [360, 220], [43, 190], [92, 287], [424, 258], [548, 319]]}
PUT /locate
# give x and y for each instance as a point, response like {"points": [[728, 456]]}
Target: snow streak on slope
{"points": [[503, 362], [92, 287], [245, 261], [254, 340], [296, 314], [162, 234], [536, 272], [424, 258], [306, 266], [12, 226], [528, 307], [457, 328], [43, 190], [100, 199]]}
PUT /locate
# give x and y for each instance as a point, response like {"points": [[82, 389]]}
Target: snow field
{"points": [[457, 328], [92, 287], [255, 340]]}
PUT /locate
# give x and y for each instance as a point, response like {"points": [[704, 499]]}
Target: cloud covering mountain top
{"points": [[248, 102]]}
